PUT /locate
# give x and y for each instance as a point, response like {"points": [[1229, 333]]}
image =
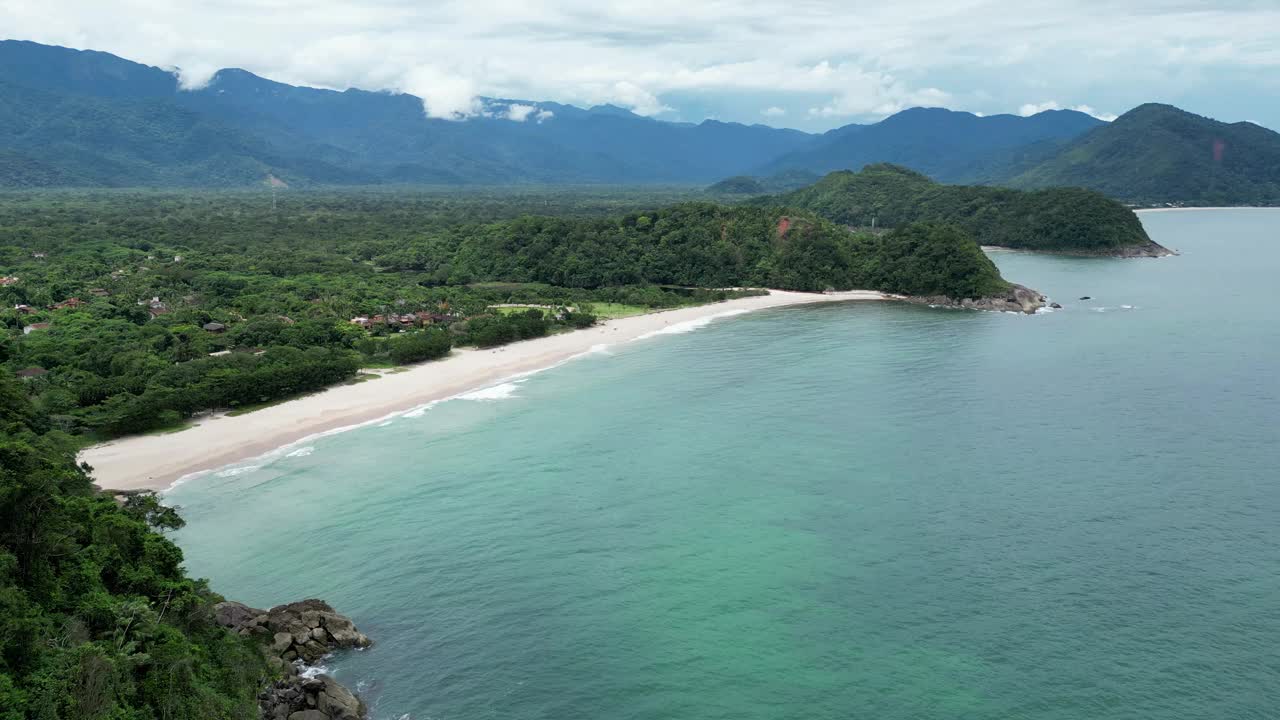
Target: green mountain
{"points": [[1160, 154], [93, 119], [56, 139], [943, 144], [1059, 220]]}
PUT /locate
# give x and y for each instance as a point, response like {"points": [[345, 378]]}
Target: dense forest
{"points": [[97, 618], [129, 312], [1061, 219]]}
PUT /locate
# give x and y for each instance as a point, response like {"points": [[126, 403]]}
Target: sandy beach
{"points": [[157, 461]]}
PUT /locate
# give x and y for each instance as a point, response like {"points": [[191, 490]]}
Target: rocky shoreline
{"points": [[1149, 249], [1019, 299], [293, 638]]}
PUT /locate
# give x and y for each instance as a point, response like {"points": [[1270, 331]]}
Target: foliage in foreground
{"points": [[97, 618]]}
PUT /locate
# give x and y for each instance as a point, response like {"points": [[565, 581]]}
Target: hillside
{"points": [[947, 145], [1059, 220], [97, 617], [94, 119], [1160, 154], [752, 185]]}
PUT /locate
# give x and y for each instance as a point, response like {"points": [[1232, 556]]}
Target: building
{"points": [[363, 322], [69, 304], [34, 327], [30, 373], [100, 292], [215, 327], [24, 309], [7, 281]]}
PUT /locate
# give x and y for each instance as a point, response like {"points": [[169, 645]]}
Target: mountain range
{"points": [[87, 118]]}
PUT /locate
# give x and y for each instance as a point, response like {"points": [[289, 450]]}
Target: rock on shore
{"points": [[1019, 298], [293, 635]]}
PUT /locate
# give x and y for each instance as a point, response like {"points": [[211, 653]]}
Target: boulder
{"points": [[234, 614], [338, 702], [281, 642]]}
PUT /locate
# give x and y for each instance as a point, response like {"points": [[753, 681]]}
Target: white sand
{"points": [[156, 461]]}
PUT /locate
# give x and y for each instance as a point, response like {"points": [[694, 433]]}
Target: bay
{"points": [[862, 510]]}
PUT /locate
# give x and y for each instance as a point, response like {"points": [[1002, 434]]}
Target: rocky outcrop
{"points": [[310, 698], [1146, 250], [293, 637], [1018, 298], [305, 631]]}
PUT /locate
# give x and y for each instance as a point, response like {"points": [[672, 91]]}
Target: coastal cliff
{"points": [[293, 638]]}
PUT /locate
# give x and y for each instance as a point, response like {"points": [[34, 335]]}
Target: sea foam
{"points": [[689, 326], [495, 392]]}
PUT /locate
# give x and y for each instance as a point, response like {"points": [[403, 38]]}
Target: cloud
{"points": [[519, 113], [1035, 108], [841, 59], [773, 111], [630, 95], [444, 95]]}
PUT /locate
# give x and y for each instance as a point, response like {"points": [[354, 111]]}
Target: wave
{"points": [[302, 451], [308, 672], [494, 392], [689, 326], [234, 471]]}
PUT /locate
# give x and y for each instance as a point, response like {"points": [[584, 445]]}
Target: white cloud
{"points": [[444, 95], [842, 58], [519, 113], [630, 95], [1035, 108], [773, 111]]}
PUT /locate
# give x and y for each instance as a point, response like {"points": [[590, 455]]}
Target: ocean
{"points": [[865, 510]]}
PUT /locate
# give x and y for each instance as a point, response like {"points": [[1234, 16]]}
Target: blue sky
{"points": [[809, 64]]}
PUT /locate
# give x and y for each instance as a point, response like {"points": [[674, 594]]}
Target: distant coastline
{"points": [[156, 462]]}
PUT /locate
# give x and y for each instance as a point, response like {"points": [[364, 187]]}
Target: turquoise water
{"points": [[868, 510]]}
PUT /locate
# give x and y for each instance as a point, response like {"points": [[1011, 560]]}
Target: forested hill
{"points": [[1160, 154], [1059, 220], [97, 618]]}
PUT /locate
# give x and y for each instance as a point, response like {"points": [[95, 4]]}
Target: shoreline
{"points": [[158, 462], [1195, 209]]}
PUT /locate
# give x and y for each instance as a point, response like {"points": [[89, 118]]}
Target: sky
{"points": [[807, 64]]}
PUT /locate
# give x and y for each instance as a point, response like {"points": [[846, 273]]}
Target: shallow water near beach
{"points": [[864, 510]]}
